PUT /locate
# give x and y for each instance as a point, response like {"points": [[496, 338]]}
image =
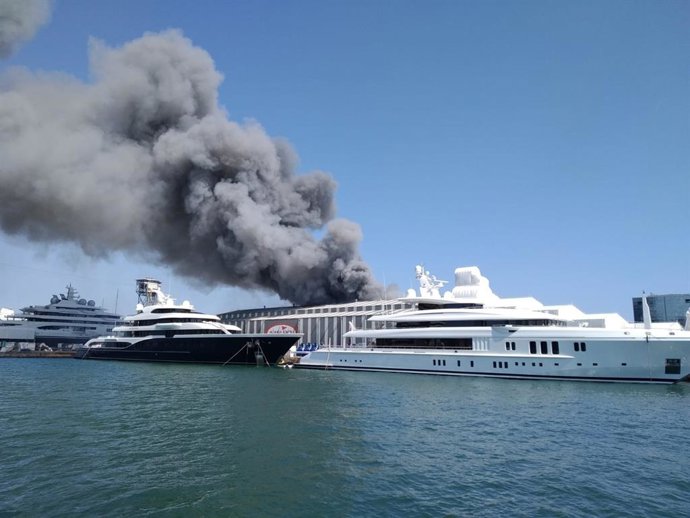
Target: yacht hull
{"points": [[236, 349], [650, 365]]}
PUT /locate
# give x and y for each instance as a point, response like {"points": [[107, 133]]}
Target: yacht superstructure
{"points": [[469, 331], [164, 331], [66, 321]]}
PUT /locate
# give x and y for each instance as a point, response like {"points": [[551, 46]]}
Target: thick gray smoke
{"points": [[144, 160], [19, 21]]}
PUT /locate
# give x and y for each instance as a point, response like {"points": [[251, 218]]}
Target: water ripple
{"points": [[113, 439]]}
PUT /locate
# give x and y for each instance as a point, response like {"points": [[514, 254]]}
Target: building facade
{"points": [[322, 325], [663, 308]]}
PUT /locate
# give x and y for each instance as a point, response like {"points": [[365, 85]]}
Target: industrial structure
{"points": [[322, 325]]}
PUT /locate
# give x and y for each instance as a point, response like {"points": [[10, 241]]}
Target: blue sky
{"points": [[545, 142]]}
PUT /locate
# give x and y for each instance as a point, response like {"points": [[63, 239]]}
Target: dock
{"points": [[38, 354]]}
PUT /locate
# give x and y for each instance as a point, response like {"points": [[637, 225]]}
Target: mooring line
{"points": [[238, 352]]}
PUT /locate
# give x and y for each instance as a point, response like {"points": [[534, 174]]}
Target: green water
{"points": [[82, 438]]}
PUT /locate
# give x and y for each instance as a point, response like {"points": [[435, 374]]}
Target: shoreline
{"points": [[38, 354]]}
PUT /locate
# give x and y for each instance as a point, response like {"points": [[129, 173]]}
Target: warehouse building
{"points": [[322, 325]]}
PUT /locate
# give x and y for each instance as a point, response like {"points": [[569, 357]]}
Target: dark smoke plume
{"points": [[144, 160], [19, 21]]}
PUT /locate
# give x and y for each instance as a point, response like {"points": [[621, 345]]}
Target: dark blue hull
{"points": [[222, 349]]}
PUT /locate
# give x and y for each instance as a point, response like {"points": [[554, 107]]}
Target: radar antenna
{"points": [[429, 285], [149, 293]]}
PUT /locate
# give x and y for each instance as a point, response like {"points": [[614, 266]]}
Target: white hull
{"points": [[33, 332], [635, 359], [17, 334]]}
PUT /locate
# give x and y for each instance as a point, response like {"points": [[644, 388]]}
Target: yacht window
{"points": [[507, 346], [512, 344], [672, 366], [426, 343], [544, 348], [555, 349], [477, 323], [583, 346], [472, 363], [533, 347], [577, 347]]}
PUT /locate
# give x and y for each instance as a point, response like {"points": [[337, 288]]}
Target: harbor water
{"points": [[89, 438]]}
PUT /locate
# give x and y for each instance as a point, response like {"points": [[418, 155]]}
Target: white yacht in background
{"points": [[68, 320], [469, 331], [14, 336], [163, 331]]}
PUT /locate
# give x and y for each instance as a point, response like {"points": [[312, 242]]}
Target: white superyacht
{"points": [[66, 321], [469, 331]]}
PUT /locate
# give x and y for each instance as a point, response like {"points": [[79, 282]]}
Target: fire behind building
{"points": [[321, 325]]}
